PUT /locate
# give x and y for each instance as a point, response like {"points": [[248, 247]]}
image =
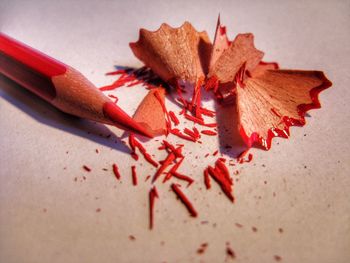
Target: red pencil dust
{"points": [[184, 200], [153, 194], [86, 168]]}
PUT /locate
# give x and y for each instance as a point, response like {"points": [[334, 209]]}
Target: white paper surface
{"points": [[47, 216]]}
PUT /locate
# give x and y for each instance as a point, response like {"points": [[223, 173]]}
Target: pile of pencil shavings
{"points": [[268, 100]]}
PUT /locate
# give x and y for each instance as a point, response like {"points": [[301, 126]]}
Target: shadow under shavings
{"points": [[45, 113], [230, 141]]}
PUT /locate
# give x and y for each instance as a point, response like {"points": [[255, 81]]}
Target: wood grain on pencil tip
{"points": [[61, 85]]}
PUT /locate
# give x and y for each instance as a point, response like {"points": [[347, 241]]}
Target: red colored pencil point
{"points": [[123, 120]]}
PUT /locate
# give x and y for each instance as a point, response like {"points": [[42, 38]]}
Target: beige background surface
{"points": [[45, 216]]}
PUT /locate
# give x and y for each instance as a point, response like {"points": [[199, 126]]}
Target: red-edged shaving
{"points": [[273, 100], [150, 113]]}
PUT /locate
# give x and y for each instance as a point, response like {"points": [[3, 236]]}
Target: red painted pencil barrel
{"points": [[29, 67]]}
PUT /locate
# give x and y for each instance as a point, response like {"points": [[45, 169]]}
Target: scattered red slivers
{"points": [[153, 113], [169, 166]]}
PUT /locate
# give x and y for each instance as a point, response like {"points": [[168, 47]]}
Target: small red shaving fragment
{"points": [[222, 176], [183, 177], [192, 134], [168, 160], [113, 97], [173, 172], [207, 179], [184, 200], [241, 156], [153, 194], [207, 112], [171, 148], [181, 135], [173, 117], [116, 171], [277, 258], [121, 81], [134, 175], [136, 144], [199, 121], [86, 168], [133, 147], [230, 252], [202, 248], [208, 132]]}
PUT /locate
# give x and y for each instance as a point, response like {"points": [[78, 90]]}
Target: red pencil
{"points": [[61, 85]]}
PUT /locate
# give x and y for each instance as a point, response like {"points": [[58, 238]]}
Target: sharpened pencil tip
{"points": [[123, 120]]}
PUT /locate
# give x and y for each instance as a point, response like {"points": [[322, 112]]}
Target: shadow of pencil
{"points": [[45, 113]]}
